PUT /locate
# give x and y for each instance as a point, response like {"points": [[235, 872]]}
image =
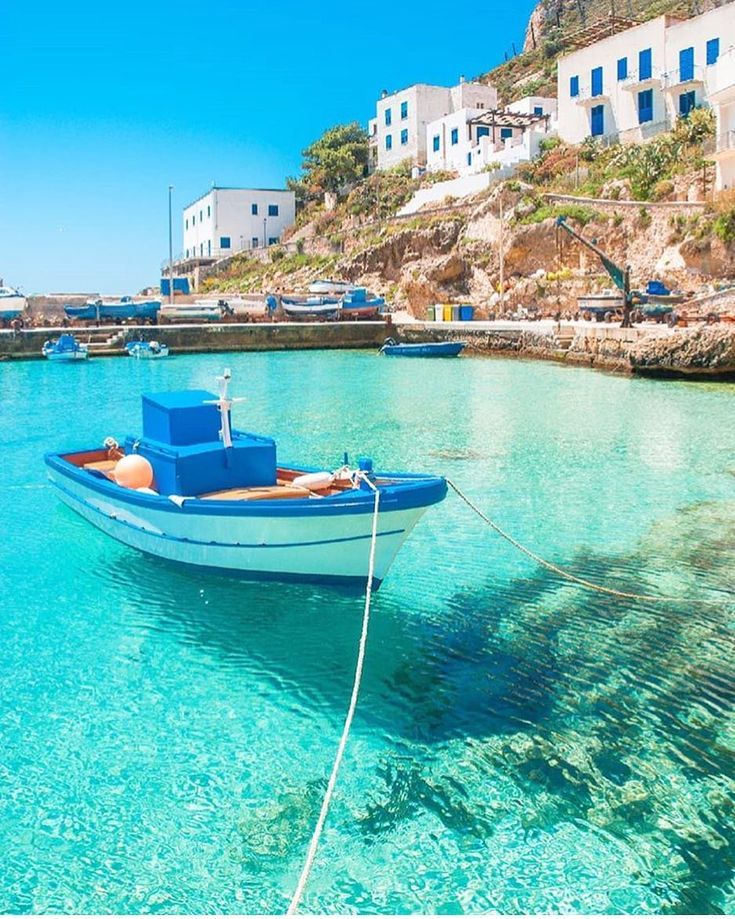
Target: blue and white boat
{"points": [[360, 304], [12, 304], [115, 310], [422, 349], [147, 350], [307, 307], [65, 348], [213, 498]]}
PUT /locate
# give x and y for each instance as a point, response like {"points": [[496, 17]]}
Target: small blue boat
{"points": [[192, 490], [65, 348], [360, 304], [147, 350], [423, 349], [124, 308]]}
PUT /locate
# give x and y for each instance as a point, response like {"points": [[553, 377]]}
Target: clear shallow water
{"points": [[520, 746]]}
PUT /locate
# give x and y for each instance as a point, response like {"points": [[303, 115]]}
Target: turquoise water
{"points": [[520, 746]]}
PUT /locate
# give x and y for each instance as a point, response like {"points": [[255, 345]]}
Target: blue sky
{"points": [[104, 104]]}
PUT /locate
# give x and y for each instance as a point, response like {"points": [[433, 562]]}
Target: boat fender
{"points": [[133, 471], [314, 481]]}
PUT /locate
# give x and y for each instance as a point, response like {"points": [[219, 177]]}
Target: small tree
{"points": [[334, 162]]}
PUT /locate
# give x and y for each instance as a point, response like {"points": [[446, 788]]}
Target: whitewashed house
{"points": [[469, 140], [398, 132], [722, 99], [632, 85], [227, 220]]}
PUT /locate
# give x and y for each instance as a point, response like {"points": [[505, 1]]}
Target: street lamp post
{"points": [[170, 248], [265, 221]]}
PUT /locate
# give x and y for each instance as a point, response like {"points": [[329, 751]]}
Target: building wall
{"points": [[722, 87], [620, 98], [222, 221]]}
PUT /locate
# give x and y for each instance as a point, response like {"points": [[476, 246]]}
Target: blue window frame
{"points": [[538, 110], [436, 143], [187, 253], [713, 51], [272, 240], [209, 247], [388, 117], [483, 131], [404, 110], [254, 210], [597, 81], [201, 216], [186, 224], [455, 136], [224, 242], [645, 64], [506, 133], [687, 102], [645, 106], [209, 211], [272, 210], [254, 242], [469, 159], [404, 137], [388, 142], [193, 219], [597, 120], [573, 86], [686, 64], [623, 68]]}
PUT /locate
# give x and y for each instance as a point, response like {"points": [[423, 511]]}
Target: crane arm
{"points": [[619, 275]]}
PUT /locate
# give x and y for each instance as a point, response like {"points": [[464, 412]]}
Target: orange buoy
{"points": [[133, 471]]}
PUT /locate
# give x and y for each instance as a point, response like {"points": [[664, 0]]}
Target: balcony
{"points": [[637, 83], [586, 99], [683, 79], [721, 147], [721, 79]]}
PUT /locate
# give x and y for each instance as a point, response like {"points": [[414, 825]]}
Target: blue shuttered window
{"points": [[388, 117], [455, 136], [272, 210], [404, 110], [623, 68], [597, 81], [436, 142], [687, 102], [573, 86], [713, 51], [388, 142], [645, 64], [254, 210], [404, 137], [506, 133], [483, 131], [686, 64], [224, 242]]}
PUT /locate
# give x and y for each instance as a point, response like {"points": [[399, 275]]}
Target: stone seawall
{"points": [[281, 336]]}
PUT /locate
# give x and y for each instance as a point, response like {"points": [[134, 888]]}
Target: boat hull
{"points": [[313, 542], [429, 349], [115, 311], [148, 354]]}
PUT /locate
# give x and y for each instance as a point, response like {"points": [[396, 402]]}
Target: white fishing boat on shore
{"points": [[12, 304]]}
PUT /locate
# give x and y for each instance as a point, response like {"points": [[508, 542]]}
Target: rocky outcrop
{"points": [[707, 351], [389, 256]]}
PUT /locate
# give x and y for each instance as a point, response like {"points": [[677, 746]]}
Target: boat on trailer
{"points": [[422, 349], [360, 304], [193, 490], [310, 307], [12, 304], [65, 348], [115, 310]]}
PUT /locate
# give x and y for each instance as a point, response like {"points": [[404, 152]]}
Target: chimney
{"points": [[383, 93], [461, 78]]}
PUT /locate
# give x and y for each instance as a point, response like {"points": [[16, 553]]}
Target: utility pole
{"points": [[170, 248], [501, 290], [265, 220]]}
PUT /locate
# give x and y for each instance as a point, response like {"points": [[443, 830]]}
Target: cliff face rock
{"points": [[389, 256], [708, 351]]}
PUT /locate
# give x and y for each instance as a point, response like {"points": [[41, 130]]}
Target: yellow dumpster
{"points": [[447, 312]]}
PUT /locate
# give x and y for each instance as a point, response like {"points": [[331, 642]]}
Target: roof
{"points": [[282, 191], [502, 118]]}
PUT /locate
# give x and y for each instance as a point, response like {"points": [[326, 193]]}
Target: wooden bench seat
{"points": [[265, 493]]}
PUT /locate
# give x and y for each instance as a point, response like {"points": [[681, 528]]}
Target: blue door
{"points": [[597, 120], [687, 102], [597, 81], [645, 65], [686, 64]]}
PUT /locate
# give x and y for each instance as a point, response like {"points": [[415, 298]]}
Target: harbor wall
{"points": [[193, 339]]}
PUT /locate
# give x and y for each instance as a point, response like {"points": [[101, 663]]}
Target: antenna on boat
{"points": [[224, 404]]}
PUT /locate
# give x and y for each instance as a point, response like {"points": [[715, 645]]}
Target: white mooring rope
{"points": [[314, 844], [567, 575]]}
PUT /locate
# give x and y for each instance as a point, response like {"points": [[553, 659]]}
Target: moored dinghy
{"points": [[147, 350], [65, 348], [422, 349], [194, 491]]}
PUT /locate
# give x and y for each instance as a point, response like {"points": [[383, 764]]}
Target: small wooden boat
{"points": [[329, 287], [124, 308], [12, 304], [147, 350], [423, 349], [65, 348], [194, 491], [360, 304], [598, 305], [310, 307]]}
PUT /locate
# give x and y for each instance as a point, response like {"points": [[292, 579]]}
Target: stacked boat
{"points": [[12, 304], [115, 310], [352, 303]]}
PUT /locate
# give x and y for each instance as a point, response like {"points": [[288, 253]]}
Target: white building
{"points": [[634, 84], [722, 99], [471, 139], [398, 132], [228, 220]]}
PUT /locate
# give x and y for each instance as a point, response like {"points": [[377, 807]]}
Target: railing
{"points": [[684, 75], [635, 78], [585, 95], [215, 255]]}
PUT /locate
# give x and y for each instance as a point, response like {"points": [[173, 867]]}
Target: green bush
{"points": [[724, 226]]}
